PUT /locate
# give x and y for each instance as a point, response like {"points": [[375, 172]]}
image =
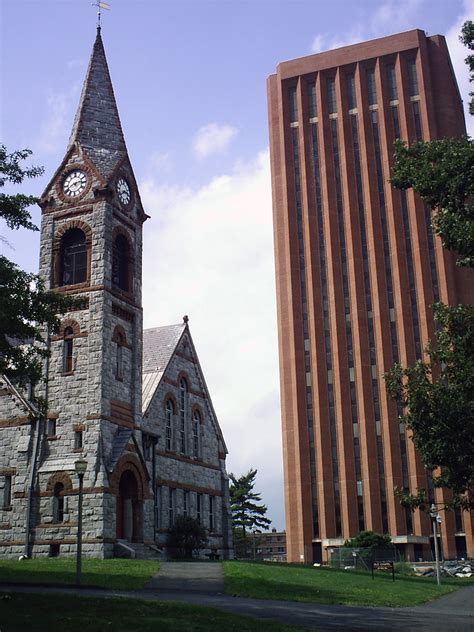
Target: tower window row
{"points": [[74, 257]]}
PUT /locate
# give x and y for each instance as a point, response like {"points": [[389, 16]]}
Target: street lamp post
{"points": [[81, 467], [435, 520]]}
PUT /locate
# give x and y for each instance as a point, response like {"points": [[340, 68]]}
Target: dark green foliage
{"points": [[369, 540], [438, 396], [467, 38], [14, 207], [187, 536], [248, 513], [441, 172], [26, 308]]}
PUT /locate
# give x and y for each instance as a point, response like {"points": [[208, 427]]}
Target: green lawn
{"points": [[60, 613], [115, 573], [329, 586]]}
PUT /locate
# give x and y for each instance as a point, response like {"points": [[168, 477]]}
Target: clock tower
{"points": [[91, 247]]}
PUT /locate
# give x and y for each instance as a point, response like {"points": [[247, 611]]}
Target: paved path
{"points": [[202, 577], [202, 583]]}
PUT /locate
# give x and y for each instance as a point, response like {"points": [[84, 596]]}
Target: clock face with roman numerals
{"points": [[123, 191], [74, 183]]}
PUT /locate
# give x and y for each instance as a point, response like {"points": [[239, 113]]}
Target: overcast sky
{"points": [[189, 78]]}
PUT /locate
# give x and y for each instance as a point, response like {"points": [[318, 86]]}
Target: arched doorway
{"points": [[129, 509]]}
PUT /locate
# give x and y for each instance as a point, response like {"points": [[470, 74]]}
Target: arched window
{"points": [[196, 432], [119, 356], [73, 257], [68, 347], [58, 503], [121, 263], [169, 424], [183, 407]]}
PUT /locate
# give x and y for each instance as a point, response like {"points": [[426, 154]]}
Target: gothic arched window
{"points": [[73, 257], [183, 407], [68, 347], [58, 503], [169, 424], [121, 276], [196, 432]]}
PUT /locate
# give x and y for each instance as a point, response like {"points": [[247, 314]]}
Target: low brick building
{"points": [[152, 453]]}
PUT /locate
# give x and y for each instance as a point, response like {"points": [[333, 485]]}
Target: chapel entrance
{"points": [[129, 509]]}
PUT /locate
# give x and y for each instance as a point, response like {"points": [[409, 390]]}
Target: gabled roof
{"points": [[97, 128], [159, 346]]}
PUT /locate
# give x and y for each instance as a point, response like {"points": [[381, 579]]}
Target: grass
{"points": [[116, 574], [330, 586], [56, 613]]}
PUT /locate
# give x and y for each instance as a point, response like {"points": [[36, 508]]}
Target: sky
{"points": [[190, 83]]}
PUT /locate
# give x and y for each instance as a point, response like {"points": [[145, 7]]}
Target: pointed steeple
{"points": [[97, 128]]}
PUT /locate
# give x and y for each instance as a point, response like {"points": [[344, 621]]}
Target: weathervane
{"points": [[100, 5]]}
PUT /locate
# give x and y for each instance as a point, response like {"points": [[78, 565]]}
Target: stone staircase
{"points": [[138, 551]]}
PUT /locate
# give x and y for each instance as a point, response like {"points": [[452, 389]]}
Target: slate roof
{"points": [[97, 126], [159, 344]]}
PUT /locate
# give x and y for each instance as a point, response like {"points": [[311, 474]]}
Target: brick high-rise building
{"points": [[357, 268]]}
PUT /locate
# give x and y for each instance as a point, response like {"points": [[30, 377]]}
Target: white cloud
{"points": [[212, 138], [458, 53], [208, 253], [55, 128], [390, 17]]}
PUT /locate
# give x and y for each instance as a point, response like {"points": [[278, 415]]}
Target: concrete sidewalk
{"points": [[202, 577]]}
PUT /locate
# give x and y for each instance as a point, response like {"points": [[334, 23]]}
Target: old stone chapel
{"points": [[132, 403]]}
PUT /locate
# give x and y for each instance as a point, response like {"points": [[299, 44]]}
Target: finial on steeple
{"points": [[100, 5], [185, 320]]}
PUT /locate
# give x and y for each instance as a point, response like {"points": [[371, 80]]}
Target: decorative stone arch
{"points": [[130, 486], [73, 324], [129, 462], [170, 397], [59, 477], [120, 336], [57, 250], [184, 375], [123, 263]]}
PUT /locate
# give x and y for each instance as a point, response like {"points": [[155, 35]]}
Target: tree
{"points": [[369, 540], [248, 514], [187, 536], [25, 306], [441, 172], [437, 395], [467, 38]]}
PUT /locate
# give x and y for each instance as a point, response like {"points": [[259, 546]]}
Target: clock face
{"points": [[123, 192], [75, 183]]}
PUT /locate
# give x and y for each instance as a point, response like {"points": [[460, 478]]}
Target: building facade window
{"points": [[119, 356], [51, 428], [183, 407], [58, 503], [331, 95], [78, 440], [169, 425], [211, 513], [68, 348], [185, 503], [198, 507], [171, 503], [413, 90], [73, 257], [196, 433], [121, 273], [371, 87], [7, 492]]}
